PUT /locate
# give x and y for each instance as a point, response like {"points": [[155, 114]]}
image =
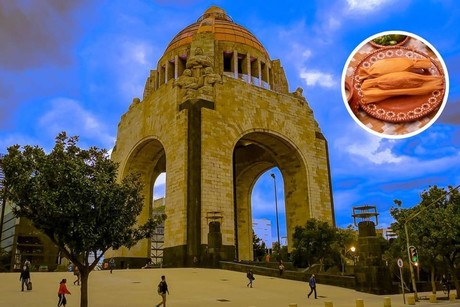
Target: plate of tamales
{"points": [[398, 84]]}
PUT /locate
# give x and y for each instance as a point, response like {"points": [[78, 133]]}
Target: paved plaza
{"points": [[187, 287]]}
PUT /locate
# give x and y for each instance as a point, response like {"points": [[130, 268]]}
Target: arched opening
{"points": [[158, 208], [268, 211], [148, 159], [254, 156]]}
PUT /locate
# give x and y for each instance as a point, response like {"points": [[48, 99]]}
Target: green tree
{"points": [[258, 246], [345, 244], [312, 243], [434, 228], [72, 195]]}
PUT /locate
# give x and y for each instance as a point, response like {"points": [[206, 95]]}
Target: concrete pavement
{"points": [[187, 287]]}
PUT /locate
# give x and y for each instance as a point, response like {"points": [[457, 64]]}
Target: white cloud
{"points": [[333, 23], [307, 54], [317, 78], [133, 67], [365, 6], [67, 115], [367, 147]]}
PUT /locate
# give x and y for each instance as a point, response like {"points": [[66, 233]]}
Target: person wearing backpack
{"points": [[25, 277], [250, 276], [162, 290]]}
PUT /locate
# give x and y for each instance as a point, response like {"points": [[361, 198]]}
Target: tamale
{"points": [[399, 83], [389, 65]]}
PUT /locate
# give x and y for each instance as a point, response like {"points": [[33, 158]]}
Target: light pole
{"points": [[344, 258], [276, 208]]}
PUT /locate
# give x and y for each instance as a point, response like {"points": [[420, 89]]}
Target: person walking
{"points": [[62, 301], [162, 290], [111, 264], [281, 267], [25, 277], [251, 278], [312, 284], [76, 272], [446, 283]]}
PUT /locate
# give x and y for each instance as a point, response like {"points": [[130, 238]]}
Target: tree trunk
{"points": [[455, 279], [84, 288], [433, 282]]}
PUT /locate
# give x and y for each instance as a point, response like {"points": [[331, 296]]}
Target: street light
{"points": [[352, 249], [276, 208]]}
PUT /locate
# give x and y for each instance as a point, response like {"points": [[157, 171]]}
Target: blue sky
{"points": [[76, 65]]}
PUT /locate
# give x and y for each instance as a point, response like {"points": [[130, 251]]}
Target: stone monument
{"points": [[216, 114]]}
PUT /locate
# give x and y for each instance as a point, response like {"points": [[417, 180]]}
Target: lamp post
{"points": [[276, 208], [344, 258]]}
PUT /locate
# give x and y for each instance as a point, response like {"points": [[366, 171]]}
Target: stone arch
{"points": [[147, 158], [254, 153]]}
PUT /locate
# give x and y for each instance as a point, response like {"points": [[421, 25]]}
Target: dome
{"points": [[217, 21]]}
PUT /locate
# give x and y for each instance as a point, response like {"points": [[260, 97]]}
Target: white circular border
{"points": [[398, 136]]}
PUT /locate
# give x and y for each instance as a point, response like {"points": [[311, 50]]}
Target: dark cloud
{"points": [[34, 33], [451, 113], [5, 104], [419, 183]]}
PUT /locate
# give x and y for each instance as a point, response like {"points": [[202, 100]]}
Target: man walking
{"points": [[312, 283], [250, 276], [162, 290]]}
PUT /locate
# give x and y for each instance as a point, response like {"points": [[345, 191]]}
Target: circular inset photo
{"points": [[395, 84]]}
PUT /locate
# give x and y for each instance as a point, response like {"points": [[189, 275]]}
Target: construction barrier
{"points": [[359, 302], [387, 301]]}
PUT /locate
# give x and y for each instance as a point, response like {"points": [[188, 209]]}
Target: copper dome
{"points": [[217, 21]]}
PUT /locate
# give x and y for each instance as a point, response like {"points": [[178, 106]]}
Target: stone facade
{"points": [[215, 115]]}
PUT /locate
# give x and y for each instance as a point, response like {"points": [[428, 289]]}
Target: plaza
{"points": [[187, 287]]}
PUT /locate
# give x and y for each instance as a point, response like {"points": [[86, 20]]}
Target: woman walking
{"points": [[62, 292]]}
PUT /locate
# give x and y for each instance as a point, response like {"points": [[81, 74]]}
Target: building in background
{"points": [[22, 240], [263, 229]]}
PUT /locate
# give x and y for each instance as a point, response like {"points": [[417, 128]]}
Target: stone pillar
{"points": [[235, 64], [176, 66], [259, 67], [371, 274], [194, 107]]}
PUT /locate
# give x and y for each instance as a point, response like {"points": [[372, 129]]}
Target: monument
{"points": [[371, 273], [216, 114]]}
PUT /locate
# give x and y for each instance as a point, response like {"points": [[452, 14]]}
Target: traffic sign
{"points": [[400, 262]]}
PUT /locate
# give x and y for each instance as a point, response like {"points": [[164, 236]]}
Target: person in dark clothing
{"points": [[162, 290], [25, 277], [111, 264], [250, 276], [312, 284], [445, 282]]}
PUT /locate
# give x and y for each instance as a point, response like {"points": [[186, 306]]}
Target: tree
{"points": [[434, 228], [312, 243], [345, 244], [72, 195], [258, 246]]}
